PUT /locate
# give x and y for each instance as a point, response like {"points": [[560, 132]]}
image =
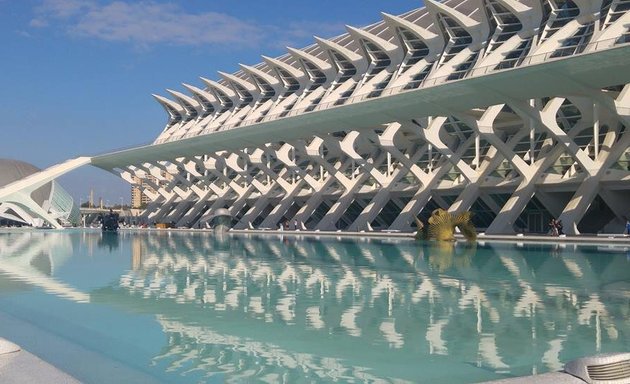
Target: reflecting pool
{"points": [[179, 307]]}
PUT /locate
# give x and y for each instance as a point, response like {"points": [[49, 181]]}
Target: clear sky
{"points": [[76, 76]]}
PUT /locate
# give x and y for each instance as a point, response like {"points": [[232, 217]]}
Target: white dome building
{"points": [[50, 204]]}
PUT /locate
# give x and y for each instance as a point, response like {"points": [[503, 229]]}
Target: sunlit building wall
{"points": [[138, 197], [516, 164]]}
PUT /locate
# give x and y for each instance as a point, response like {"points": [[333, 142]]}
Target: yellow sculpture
{"points": [[442, 226]]}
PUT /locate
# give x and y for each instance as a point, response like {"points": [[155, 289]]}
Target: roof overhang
{"points": [[574, 75]]}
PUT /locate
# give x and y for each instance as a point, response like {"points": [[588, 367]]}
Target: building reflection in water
{"points": [[305, 309], [30, 258], [295, 308]]}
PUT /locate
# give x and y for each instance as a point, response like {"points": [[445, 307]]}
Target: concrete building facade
{"points": [[516, 110], [138, 197], [552, 144]]}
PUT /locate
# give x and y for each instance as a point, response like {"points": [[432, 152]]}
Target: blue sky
{"points": [[76, 77]]}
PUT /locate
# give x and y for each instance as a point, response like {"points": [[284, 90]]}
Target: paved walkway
{"points": [[18, 366], [592, 239], [602, 238]]}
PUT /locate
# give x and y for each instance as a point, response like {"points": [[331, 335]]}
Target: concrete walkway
{"points": [[611, 238], [18, 366]]}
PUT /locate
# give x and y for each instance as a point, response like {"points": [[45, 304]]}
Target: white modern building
{"points": [[43, 204], [516, 110]]}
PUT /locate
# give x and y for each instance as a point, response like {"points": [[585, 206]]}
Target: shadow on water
{"points": [[109, 240]]}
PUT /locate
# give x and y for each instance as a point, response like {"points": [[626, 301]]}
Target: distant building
{"points": [[139, 198], [144, 187]]}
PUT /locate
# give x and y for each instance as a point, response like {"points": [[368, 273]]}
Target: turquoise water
{"points": [[148, 307]]}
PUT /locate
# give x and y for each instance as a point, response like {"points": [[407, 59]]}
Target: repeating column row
{"points": [[515, 165]]}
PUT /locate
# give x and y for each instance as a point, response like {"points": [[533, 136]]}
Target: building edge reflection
{"points": [[392, 298]]}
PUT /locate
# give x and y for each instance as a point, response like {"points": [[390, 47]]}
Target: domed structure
{"points": [[13, 170], [49, 203]]}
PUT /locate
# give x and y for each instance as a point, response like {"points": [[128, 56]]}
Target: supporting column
{"points": [[345, 200], [329, 173], [285, 203], [406, 166], [448, 159], [588, 190], [595, 130], [264, 190]]}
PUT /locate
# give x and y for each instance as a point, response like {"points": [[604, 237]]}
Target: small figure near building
{"points": [[559, 227], [553, 227]]}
